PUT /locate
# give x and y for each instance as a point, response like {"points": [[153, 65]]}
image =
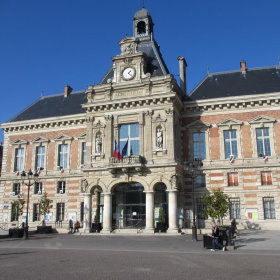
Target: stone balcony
{"points": [[126, 164]]}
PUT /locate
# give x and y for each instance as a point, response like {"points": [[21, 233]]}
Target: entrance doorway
{"points": [[129, 206]]}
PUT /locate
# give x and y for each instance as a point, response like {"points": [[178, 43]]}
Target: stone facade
{"points": [[139, 110]]}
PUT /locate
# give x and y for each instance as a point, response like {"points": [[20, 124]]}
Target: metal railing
{"points": [[129, 160]]}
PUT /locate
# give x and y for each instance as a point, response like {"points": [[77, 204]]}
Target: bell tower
{"points": [[143, 25]]}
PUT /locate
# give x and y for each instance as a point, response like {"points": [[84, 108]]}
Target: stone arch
{"points": [[161, 180], [118, 181], [141, 28], [94, 185]]}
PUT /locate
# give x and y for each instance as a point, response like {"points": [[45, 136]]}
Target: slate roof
{"points": [[235, 83], [155, 64], [53, 106]]}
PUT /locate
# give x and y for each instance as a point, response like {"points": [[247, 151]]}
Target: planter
{"points": [[160, 227], [44, 229], [96, 227], [16, 232]]}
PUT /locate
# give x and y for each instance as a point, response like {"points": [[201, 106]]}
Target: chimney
{"points": [[182, 69], [67, 90], [243, 67]]}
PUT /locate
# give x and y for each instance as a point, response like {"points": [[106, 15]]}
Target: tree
{"points": [[17, 208], [45, 206], [216, 205]]}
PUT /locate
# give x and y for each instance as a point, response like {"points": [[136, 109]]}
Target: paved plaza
{"points": [[138, 257]]}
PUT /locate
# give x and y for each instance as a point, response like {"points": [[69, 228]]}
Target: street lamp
{"points": [[31, 179], [193, 167]]}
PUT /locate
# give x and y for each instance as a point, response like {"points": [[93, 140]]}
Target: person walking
{"points": [[76, 226], [215, 236]]}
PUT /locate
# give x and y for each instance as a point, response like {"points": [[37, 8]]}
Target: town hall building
{"points": [[135, 150]]}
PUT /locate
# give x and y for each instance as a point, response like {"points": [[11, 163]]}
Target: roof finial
{"points": [[143, 5], [208, 70]]}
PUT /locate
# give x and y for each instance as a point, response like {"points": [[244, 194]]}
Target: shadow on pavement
{"points": [[16, 253]]}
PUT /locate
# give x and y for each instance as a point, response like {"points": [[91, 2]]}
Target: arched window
{"points": [[141, 28]]}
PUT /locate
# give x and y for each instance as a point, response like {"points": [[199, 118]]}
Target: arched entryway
{"points": [[128, 206]]}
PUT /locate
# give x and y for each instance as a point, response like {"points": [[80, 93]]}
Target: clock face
{"points": [[129, 73]]}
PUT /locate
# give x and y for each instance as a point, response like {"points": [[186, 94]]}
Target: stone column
{"points": [[172, 211], [170, 137], [107, 213], [87, 212], [148, 147], [150, 211], [89, 121], [108, 141]]}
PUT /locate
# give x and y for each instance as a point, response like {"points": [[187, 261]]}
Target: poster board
{"points": [[252, 213]]}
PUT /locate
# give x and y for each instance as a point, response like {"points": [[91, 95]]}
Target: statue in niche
{"points": [[98, 143], [159, 138], [84, 185]]}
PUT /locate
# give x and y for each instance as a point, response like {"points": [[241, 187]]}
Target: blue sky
{"points": [[45, 45]]}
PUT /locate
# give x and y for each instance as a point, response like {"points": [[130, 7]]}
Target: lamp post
{"points": [[193, 167], [31, 179]]}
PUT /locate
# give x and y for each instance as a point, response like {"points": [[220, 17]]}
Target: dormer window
{"points": [[141, 28]]}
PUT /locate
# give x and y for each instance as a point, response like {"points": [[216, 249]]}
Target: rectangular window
{"points": [[230, 143], [200, 207], [61, 187], [82, 212], [269, 208], [16, 188], [232, 179], [63, 155], [263, 142], [266, 178], [36, 212], [199, 181], [234, 208], [40, 157], [38, 188], [83, 153], [199, 145], [60, 209], [14, 213], [19, 157], [129, 133]]}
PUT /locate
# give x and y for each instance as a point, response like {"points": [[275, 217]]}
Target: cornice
{"points": [[160, 99], [149, 91], [234, 103], [46, 123]]}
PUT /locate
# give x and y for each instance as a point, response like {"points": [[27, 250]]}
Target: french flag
{"points": [[124, 150], [265, 158], [116, 152]]}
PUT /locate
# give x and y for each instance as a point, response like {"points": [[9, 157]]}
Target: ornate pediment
{"points": [[82, 136], [63, 137], [128, 45], [40, 139], [262, 120], [98, 124], [198, 125], [159, 118], [230, 122], [19, 142]]}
